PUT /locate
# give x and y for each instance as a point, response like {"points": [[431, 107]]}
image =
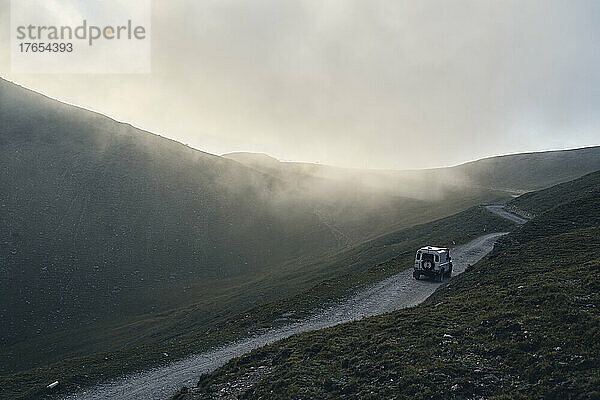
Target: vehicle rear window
{"points": [[418, 256], [437, 258], [427, 257]]}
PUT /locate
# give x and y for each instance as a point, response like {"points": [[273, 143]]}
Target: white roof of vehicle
{"points": [[433, 248]]}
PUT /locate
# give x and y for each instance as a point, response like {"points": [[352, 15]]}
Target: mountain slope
{"points": [[513, 173], [531, 171], [538, 202], [522, 323], [113, 237], [102, 220]]}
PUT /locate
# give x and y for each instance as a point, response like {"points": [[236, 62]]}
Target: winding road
{"points": [[398, 291], [499, 210]]}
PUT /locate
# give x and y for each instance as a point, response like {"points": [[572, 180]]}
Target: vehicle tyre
{"points": [[416, 275]]}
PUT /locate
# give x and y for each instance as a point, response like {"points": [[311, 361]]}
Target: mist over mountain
{"points": [[105, 224], [102, 218], [512, 173], [113, 237], [299, 199]]}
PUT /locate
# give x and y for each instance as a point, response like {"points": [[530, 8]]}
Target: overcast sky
{"points": [[378, 84]]}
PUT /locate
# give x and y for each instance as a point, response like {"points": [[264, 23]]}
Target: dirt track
{"points": [[499, 210], [396, 292]]}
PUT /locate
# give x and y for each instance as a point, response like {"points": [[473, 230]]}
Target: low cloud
{"points": [[379, 84]]}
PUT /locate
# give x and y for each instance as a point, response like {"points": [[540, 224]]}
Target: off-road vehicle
{"points": [[433, 262]]}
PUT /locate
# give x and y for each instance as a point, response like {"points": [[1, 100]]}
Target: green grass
{"points": [[336, 277], [543, 200], [522, 323]]}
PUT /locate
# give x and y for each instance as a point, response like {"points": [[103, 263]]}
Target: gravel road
{"points": [[396, 292], [499, 210]]}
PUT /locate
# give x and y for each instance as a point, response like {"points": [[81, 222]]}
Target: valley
{"points": [[299, 200], [119, 246]]}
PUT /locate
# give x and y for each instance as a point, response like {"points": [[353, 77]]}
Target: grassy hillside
{"points": [[522, 323], [533, 203], [103, 223], [531, 171], [330, 281]]}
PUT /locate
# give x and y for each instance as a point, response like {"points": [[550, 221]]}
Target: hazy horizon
{"points": [[258, 152], [354, 84]]}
